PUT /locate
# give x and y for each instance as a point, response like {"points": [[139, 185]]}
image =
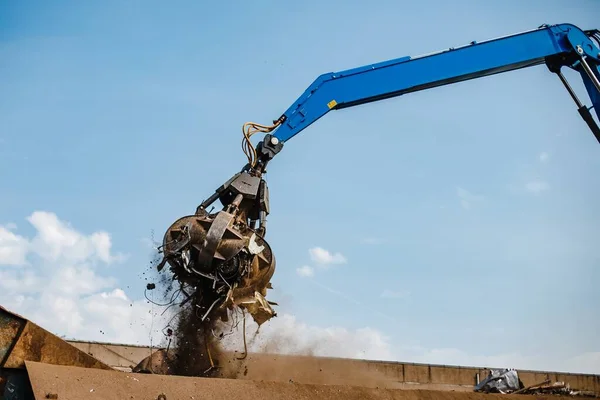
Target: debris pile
{"points": [[506, 381], [556, 388], [500, 381]]}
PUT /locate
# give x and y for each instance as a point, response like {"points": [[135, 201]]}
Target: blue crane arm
{"points": [[245, 196], [556, 46]]}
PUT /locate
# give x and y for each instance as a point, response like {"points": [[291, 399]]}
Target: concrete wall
{"points": [[336, 371], [119, 356], [320, 370]]}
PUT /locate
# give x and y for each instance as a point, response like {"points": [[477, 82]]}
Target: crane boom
{"points": [[556, 46], [224, 256]]}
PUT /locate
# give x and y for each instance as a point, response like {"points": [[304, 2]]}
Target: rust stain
{"points": [[37, 344], [10, 325], [22, 340]]}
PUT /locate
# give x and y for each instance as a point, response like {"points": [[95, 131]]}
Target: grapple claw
{"points": [[222, 255]]}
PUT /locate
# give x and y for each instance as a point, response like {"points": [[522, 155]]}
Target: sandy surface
{"points": [[61, 382], [330, 371]]}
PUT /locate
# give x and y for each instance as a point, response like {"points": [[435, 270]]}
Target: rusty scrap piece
{"points": [[223, 256], [22, 340], [226, 261], [531, 387], [158, 362], [11, 326], [210, 359], [556, 388]]}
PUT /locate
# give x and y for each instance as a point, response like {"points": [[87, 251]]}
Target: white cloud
{"points": [[80, 280], [22, 281], [395, 294], [60, 285], [322, 258], [57, 240], [13, 248], [467, 198], [537, 186], [305, 271], [543, 157], [325, 258]]}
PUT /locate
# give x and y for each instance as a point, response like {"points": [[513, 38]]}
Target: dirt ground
{"points": [[71, 383]]}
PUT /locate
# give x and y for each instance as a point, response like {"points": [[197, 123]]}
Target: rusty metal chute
{"points": [[22, 341]]}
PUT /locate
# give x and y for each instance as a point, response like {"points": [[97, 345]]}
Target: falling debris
{"points": [[219, 266]]}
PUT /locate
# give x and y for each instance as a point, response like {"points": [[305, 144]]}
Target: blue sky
{"points": [[466, 215]]}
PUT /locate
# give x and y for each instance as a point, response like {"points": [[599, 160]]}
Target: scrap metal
{"points": [[21, 339], [222, 259], [500, 381]]}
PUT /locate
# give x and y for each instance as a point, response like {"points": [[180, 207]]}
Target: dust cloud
{"points": [[213, 348]]}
